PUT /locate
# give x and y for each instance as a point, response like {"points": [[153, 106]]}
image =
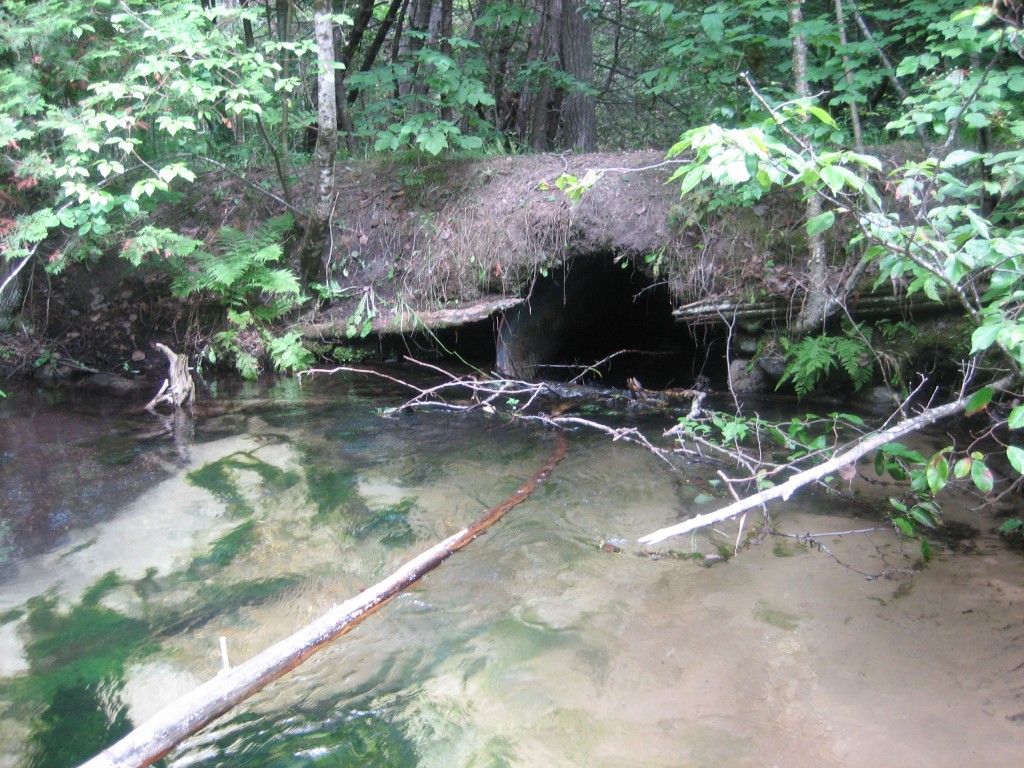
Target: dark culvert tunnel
{"points": [[604, 319]]}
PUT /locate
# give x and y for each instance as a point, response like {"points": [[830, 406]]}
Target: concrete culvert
{"points": [[585, 313]]}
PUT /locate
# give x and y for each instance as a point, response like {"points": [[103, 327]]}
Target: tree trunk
{"points": [[579, 112], [282, 15], [344, 53], [12, 288], [178, 388], [818, 303], [378, 40], [858, 136], [421, 16], [319, 220], [549, 115], [445, 31], [540, 101]]}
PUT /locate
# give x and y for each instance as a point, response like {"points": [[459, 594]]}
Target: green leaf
{"points": [[820, 223], [936, 474], [1016, 420], [984, 337], [962, 468], [924, 517], [926, 550], [1013, 524], [836, 177], [961, 156], [982, 476], [900, 450], [737, 172], [979, 400], [822, 115], [714, 25], [905, 526], [1015, 456], [693, 177], [434, 141]]}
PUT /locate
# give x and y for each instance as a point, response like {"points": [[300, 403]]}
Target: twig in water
{"points": [[811, 540]]}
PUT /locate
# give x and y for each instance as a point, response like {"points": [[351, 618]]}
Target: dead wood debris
{"points": [[178, 389]]}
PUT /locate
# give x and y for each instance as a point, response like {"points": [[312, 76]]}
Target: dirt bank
{"points": [[432, 242]]}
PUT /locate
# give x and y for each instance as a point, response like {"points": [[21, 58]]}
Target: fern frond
{"points": [[226, 272], [277, 281], [855, 358], [810, 361], [231, 241], [267, 254], [277, 229]]}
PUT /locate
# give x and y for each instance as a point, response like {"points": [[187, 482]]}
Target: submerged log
{"points": [[178, 388], [184, 717]]}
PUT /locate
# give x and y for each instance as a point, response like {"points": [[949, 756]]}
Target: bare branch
{"points": [[785, 490]]}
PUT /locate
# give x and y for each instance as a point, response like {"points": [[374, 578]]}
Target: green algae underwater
{"points": [[533, 646]]}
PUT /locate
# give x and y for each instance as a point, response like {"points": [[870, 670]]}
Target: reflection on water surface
{"points": [[531, 647]]}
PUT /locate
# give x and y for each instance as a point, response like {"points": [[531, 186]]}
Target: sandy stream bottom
{"points": [[535, 639], [569, 656]]}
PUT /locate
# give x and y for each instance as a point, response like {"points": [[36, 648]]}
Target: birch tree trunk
{"points": [[819, 301], [319, 219]]}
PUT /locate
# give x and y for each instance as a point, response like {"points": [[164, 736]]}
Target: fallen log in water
{"points": [[184, 717], [847, 457]]}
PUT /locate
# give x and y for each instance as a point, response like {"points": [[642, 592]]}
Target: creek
{"points": [[132, 545]]}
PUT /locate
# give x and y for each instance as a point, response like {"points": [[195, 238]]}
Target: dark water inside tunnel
{"points": [[600, 319], [534, 646]]}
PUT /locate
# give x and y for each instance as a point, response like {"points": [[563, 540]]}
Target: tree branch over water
{"points": [[842, 459]]}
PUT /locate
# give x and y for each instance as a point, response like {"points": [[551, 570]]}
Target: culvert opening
{"points": [[604, 321]]}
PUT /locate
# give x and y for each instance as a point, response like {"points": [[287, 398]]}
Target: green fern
{"points": [[245, 277], [241, 274], [855, 358], [288, 352], [810, 361], [274, 230]]}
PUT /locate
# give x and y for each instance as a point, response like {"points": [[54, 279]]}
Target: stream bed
{"points": [[131, 545]]}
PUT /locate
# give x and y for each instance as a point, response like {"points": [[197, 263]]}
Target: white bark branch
{"points": [[784, 490], [171, 725], [184, 717]]}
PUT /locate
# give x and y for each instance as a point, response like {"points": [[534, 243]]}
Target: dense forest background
{"points": [[109, 108]]}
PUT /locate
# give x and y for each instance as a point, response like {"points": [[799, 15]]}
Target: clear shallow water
{"points": [[531, 647]]}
